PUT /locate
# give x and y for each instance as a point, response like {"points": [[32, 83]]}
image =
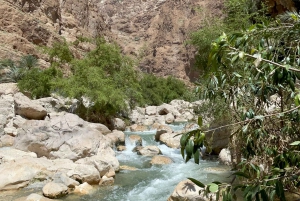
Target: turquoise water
{"points": [[147, 183], [153, 183]]}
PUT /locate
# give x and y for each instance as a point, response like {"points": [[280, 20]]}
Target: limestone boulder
{"points": [[165, 109], [161, 129], [136, 140], [7, 141], [161, 160], [6, 110], [57, 104], [138, 128], [149, 151], [12, 131], [64, 179], [151, 110], [34, 197], [169, 118], [121, 148], [8, 154], [27, 108], [83, 189], [64, 135], [106, 181], [119, 124], [187, 191], [225, 157], [8, 88], [116, 137], [219, 138], [172, 140], [100, 127], [18, 169], [84, 173], [98, 162], [55, 190]]}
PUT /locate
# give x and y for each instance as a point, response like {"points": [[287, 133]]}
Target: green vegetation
{"points": [[158, 90], [238, 14], [104, 81], [255, 72], [14, 71]]}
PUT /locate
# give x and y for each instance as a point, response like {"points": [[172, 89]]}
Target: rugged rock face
{"points": [[155, 31], [27, 24]]}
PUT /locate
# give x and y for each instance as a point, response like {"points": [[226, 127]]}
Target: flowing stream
{"points": [[148, 182], [157, 182]]}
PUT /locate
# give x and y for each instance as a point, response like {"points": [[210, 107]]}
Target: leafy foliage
{"points": [[59, 53], [39, 82], [256, 72], [237, 14], [158, 90], [14, 71]]}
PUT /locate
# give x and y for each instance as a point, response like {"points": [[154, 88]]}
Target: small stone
{"points": [[105, 181], [149, 151], [126, 167], [110, 173], [121, 148], [55, 190], [83, 189], [11, 131], [161, 160], [136, 139]]}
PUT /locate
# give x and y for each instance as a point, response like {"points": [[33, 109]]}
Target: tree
{"points": [[256, 72]]}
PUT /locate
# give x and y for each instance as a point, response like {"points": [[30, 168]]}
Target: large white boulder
{"points": [[8, 88], [55, 190], [149, 151], [116, 137], [119, 124], [188, 191], [151, 110], [160, 160], [225, 157], [27, 108], [172, 140]]}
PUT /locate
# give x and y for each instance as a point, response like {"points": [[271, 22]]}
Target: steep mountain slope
{"points": [[152, 31], [26, 24], [155, 31]]}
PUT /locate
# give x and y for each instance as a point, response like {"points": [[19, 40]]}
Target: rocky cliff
{"points": [[154, 32], [27, 24]]}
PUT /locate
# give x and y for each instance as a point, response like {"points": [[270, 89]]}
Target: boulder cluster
{"points": [[40, 142]]}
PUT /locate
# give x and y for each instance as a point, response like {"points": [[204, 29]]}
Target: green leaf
{"points": [[198, 183], [182, 151], [241, 174], [280, 191], [264, 195], [189, 148], [197, 156], [295, 143], [237, 75], [213, 188], [260, 117], [200, 121], [297, 100]]}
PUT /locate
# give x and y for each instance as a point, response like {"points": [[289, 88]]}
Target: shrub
{"points": [[158, 90], [39, 82]]}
